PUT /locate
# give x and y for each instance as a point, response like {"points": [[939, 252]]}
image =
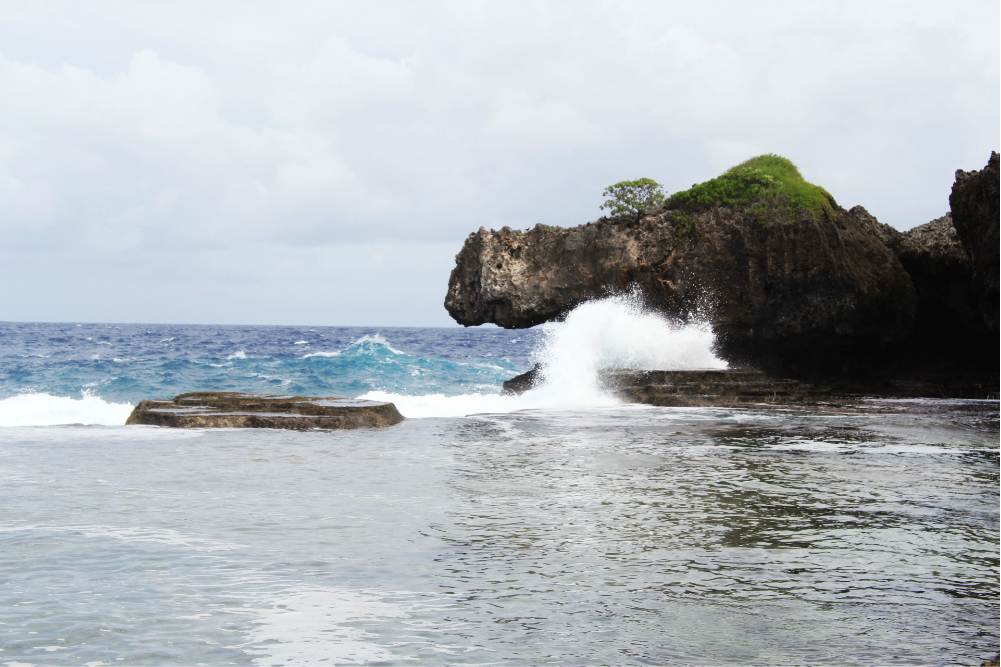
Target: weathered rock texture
{"points": [[951, 342], [810, 297], [975, 214], [713, 388], [236, 410]]}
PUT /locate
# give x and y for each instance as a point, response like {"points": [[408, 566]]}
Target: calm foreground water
{"points": [[486, 530]]}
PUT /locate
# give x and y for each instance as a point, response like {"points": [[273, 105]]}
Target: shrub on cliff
{"points": [[634, 197], [770, 184]]}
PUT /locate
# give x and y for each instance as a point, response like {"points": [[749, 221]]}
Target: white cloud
{"points": [[371, 284], [154, 129], [520, 116]]}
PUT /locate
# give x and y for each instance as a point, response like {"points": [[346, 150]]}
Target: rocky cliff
{"points": [[950, 345], [791, 282], [798, 291], [975, 214]]}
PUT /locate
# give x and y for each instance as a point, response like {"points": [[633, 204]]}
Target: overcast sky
{"points": [[321, 163]]}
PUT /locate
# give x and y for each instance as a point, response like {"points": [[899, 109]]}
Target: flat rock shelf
{"points": [[720, 388], [238, 410]]}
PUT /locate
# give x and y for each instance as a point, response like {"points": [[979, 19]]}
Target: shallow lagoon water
{"points": [[605, 535]]}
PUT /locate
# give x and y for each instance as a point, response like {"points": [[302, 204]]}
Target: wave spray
{"points": [[614, 332], [618, 332]]}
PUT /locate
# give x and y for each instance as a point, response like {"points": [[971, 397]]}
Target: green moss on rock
{"points": [[769, 184]]}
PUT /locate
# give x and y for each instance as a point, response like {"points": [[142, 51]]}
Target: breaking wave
{"points": [[615, 332], [442, 373], [369, 344], [48, 410]]}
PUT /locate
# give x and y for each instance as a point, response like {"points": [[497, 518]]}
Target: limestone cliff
{"points": [[799, 295], [791, 282]]}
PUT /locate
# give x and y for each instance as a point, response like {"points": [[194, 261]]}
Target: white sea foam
{"points": [[47, 410], [615, 332], [440, 405], [238, 355]]}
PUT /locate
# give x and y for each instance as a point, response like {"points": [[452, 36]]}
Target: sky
{"points": [[320, 163]]}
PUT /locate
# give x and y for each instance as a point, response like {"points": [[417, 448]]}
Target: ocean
{"points": [[560, 526]]}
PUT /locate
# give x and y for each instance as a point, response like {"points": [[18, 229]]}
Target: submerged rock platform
{"points": [[239, 410], [707, 388]]}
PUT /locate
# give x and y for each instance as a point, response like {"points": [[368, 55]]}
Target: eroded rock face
{"points": [[943, 277], [975, 214], [815, 296], [238, 410], [950, 351]]}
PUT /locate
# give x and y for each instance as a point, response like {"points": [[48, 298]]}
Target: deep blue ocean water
{"points": [[130, 362], [560, 527]]}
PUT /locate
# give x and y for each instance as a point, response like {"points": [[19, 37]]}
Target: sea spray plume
{"points": [[613, 332], [618, 332]]}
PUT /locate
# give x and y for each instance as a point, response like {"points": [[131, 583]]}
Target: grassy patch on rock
{"points": [[770, 184]]}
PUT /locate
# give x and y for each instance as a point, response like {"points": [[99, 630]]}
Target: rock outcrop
{"points": [[519, 384], [950, 343], [791, 282], [804, 296], [237, 410], [975, 214]]}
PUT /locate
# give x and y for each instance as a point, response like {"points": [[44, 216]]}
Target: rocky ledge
{"points": [[704, 388], [715, 388], [237, 410]]}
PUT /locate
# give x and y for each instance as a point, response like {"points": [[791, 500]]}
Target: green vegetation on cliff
{"points": [[771, 185]]}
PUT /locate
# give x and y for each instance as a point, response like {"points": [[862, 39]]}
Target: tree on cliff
{"points": [[635, 197]]}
